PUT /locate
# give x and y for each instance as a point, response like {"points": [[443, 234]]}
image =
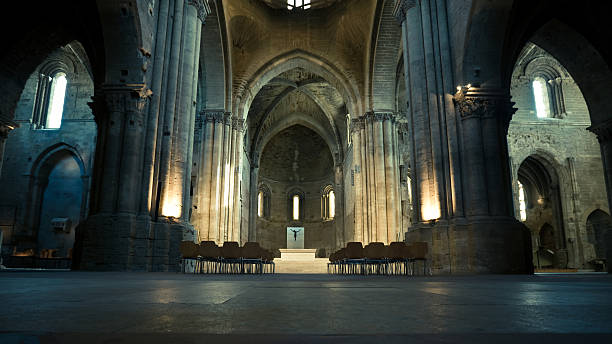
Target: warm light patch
{"points": [[430, 212], [171, 208]]}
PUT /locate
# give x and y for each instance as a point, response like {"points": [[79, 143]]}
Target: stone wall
{"points": [[318, 233], [32, 154], [564, 145]]}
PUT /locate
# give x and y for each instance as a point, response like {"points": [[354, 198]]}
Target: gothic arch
{"points": [[386, 38], [297, 58], [215, 69], [25, 49], [39, 174], [289, 121]]}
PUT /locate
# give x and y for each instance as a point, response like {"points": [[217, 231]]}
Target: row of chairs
{"points": [[397, 258], [230, 258]]}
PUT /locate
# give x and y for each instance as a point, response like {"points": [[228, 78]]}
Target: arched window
{"points": [[295, 205], [260, 204], [522, 202], [50, 97], [298, 4], [540, 94], [263, 202], [328, 203]]}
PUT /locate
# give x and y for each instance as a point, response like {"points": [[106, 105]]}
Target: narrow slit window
{"points": [[522, 203], [332, 205], [540, 93], [296, 207], [56, 104], [260, 204]]}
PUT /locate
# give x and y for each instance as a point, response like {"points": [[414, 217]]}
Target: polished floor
{"points": [[87, 307]]}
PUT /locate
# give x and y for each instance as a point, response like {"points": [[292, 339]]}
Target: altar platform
{"points": [[300, 261]]}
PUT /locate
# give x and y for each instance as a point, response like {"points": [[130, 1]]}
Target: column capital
{"points": [[401, 8], [238, 123], [484, 104], [378, 116], [202, 7], [227, 118], [357, 124], [211, 116], [602, 130], [119, 98]]}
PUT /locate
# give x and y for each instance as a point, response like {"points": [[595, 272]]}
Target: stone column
{"points": [[175, 165], [391, 182], [254, 175], [4, 130], [371, 179], [238, 124], [496, 241], [361, 127], [379, 175], [224, 178], [604, 136], [143, 158], [356, 128]]}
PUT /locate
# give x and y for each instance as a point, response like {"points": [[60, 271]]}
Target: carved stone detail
{"points": [[238, 124], [213, 116], [202, 7], [357, 124], [484, 107]]}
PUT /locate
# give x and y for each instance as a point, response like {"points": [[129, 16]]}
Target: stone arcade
{"points": [[480, 127]]}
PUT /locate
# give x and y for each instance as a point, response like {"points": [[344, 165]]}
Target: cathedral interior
{"points": [[479, 127]]}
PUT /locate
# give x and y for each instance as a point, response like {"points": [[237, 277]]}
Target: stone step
{"points": [[316, 266]]}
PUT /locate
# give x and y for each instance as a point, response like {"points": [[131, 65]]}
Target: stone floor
{"points": [[86, 307]]}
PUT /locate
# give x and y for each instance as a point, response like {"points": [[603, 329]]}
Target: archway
{"points": [[599, 234], [539, 183], [296, 168], [60, 184]]}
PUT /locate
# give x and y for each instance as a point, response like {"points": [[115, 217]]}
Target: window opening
{"points": [[540, 93], [296, 207], [260, 204], [522, 203], [298, 4], [56, 104]]}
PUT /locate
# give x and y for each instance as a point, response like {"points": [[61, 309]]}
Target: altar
{"points": [[295, 250]]}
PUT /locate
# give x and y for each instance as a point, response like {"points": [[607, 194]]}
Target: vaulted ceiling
{"points": [[297, 97]]}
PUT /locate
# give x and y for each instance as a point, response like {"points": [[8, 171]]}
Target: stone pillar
{"points": [[371, 184], [379, 175], [140, 199], [4, 130], [113, 237], [604, 136], [448, 134], [356, 129], [238, 124], [254, 175], [376, 178], [493, 240], [392, 203]]}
